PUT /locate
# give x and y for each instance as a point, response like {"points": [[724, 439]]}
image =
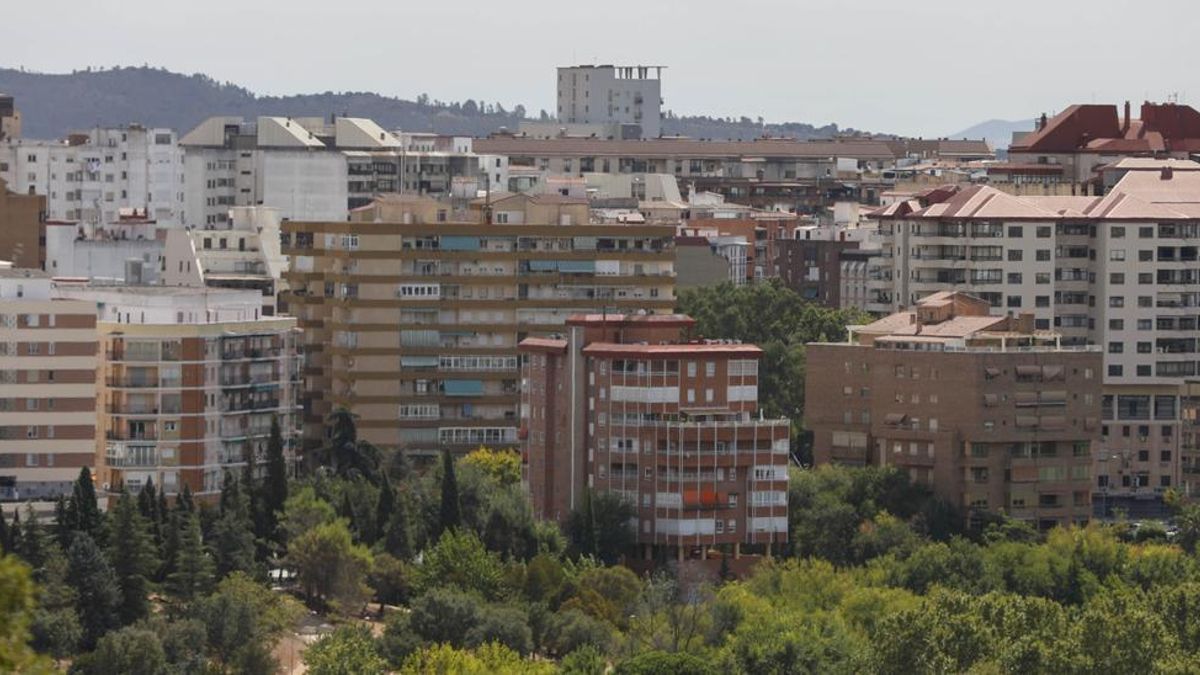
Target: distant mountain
{"points": [[997, 132], [54, 104]]}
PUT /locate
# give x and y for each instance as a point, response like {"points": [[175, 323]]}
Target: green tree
{"points": [[397, 536], [304, 511], [242, 616], [662, 663], [502, 467], [6, 538], [444, 615], [275, 487], [601, 526], [83, 508], [98, 597], [385, 505], [460, 560], [16, 608], [233, 533], [349, 650], [129, 651], [330, 567], [344, 453], [587, 660], [192, 568], [450, 516], [504, 625], [131, 551]]}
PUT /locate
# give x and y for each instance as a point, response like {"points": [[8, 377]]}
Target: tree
{"points": [[330, 567], [83, 508], [98, 597], [303, 511], [384, 506], [508, 626], [192, 569], [460, 560], [16, 607], [501, 467], [275, 488], [397, 535], [349, 650], [601, 526], [658, 663], [6, 539], [233, 533], [444, 615], [344, 453], [131, 551], [129, 651], [242, 616], [450, 515]]}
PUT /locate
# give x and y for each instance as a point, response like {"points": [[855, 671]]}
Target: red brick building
{"points": [[624, 404]]}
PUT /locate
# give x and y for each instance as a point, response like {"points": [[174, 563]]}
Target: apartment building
{"points": [[130, 249], [1074, 146], [10, 118], [22, 227], [191, 381], [48, 352], [91, 176], [316, 169], [1117, 271], [243, 254], [413, 309], [626, 404], [606, 94], [992, 413]]}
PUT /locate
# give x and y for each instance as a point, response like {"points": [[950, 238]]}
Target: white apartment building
{"points": [[90, 177], [48, 352], [130, 250], [612, 94], [314, 169], [1119, 271], [243, 255], [192, 380]]}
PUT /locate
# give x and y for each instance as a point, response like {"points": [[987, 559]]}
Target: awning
{"points": [[1054, 397], [991, 372], [453, 242], [1053, 422], [1052, 372], [1027, 421], [1025, 397], [991, 399], [1029, 371], [418, 361], [578, 266], [894, 418], [463, 387]]}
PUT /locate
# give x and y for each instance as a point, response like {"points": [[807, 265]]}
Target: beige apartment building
{"points": [[413, 310], [192, 379], [47, 388], [991, 413], [1118, 271]]}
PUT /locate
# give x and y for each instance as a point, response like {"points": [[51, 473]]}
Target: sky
{"points": [[921, 67]]}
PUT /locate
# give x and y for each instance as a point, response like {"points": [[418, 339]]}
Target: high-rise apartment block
{"points": [[22, 228], [48, 351], [612, 95], [990, 412], [192, 380], [1118, 271], [10, 118], [91, 176], [626, 404], [413, 309]]}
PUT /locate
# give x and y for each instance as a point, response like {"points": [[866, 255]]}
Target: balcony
{"points": [[128, 382]]}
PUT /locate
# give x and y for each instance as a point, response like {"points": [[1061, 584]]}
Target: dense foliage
{"points": [[879, 576]]}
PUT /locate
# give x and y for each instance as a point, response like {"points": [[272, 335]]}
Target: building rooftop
{"points": [[683, 147], [1162, 127], [674, 349]]}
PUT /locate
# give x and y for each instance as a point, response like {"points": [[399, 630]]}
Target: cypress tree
{"points": [[34, 544], [383, 509], [275, 488], [97, 594], [233, 533], [451, 516], [14, 532], [147, 501], [191, 571], [62, 523], [133, 559], [397, 537], [5, 538], [83, 509]]}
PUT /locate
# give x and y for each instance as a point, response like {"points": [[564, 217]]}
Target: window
{"points": [[1144, 371], [1116, 347], [1145, 347], [1116, 324], [1146, 255], [1146, 232], [1115, 371], [1117, 232], [1041, 301], [1116, 301], [1041, 278], [1014, 278], [1043, 232], [1117, 254], [710, 369], [691, 369], [1013, 301], [1145, 324], [1116, 278], [1043, 255], [1015, 254], [1015, 231]]}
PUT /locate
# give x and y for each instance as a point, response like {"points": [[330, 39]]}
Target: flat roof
{"points": [[678, 349]]}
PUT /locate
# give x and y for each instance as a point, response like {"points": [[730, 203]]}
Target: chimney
{"points": [[1042, 122], [1125, 126], [1167, 173]]}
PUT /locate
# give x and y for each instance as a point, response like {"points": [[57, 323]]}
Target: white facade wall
{"points": [[604, 94]]}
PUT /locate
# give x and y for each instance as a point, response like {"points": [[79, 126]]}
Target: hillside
{"points": [[997, 132], [54, 104]]}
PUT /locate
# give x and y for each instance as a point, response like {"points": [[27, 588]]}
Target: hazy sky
{"points": [[921, 67]]}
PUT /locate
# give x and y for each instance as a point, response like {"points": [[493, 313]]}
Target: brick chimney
{"points": [[1167, 173], [1125, 125]]}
